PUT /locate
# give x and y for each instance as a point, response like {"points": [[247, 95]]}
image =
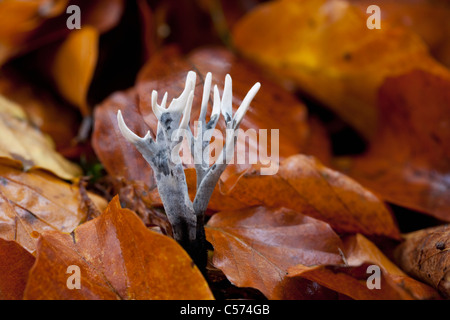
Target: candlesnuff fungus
{"points": [[162, 153]]}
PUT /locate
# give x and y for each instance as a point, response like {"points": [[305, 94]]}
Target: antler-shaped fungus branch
{"points": [[162, 153]]}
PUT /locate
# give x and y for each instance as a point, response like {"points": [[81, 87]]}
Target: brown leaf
{"points": [[326, 49], [255, 247], [44, 111], [119, 258], [303, 184], [359, 250], [35, 201], [15, 263], [31, 25], [24, 143], [425, 256], [350, 280], [409, 162]]}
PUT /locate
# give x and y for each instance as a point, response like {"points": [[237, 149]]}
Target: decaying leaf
{"points": [[326, 49], [256, 246], [24, 143], [74, 65], [425, 255], [119, 258], [15, 263], [35, 201], [409, 162]]}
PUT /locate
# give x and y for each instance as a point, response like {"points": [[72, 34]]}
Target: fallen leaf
{"points": [[427, 18], [256, 246], [15, 263], [119, 157], [35, 201], [351, 279], [74, 65], [326, 49], [408, 163], [43, 109], [119, 258], [425, 256], [24, 143], [305, 185], [359, 250]]}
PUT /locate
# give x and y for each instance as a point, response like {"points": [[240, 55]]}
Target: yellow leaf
{"points": [[326, 48], [22, 142]]}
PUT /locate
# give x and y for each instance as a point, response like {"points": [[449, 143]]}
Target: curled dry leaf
{"points": [[425, 255], [409, 162], [35, 201], [359, 250], [351, 279], [24, 143], [119, 258], [74, 65], [326, 49], [256, 246], [15, 263]]}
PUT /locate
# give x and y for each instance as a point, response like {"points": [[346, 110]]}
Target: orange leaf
{"points": [[425, 254], [74, 66], [351, 279], [36, 201], [305, 185], [255, 247], [15, 263], [408, 163], [427, 18], [119, 258], [326, 48]]}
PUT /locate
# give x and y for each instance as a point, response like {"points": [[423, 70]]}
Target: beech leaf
{"points": [[119, 258], [256, 246], [35, 201]]}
